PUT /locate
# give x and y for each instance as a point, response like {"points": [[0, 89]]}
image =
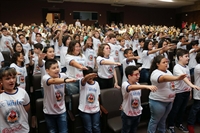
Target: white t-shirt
{"points": [[139, 51], [105, 71], [90, 55], [135, 44], [128, 44], [96, 44], [121, 53], [192, 62], [147, 59], [13, 116], [1, 59], [54, 96], [131, 104], [125, 64], [5, 40], [196, 93], [23, 73], [89, 97], [36, 67], [114, 52], [63, 53], [165, 91], [56, 48], [73, 72], [179, 45], [181, 86]]}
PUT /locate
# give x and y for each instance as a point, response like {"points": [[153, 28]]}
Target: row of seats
{"points": [[110, 100]]}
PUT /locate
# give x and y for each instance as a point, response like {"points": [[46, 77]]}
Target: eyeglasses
{"points": [[137, 74]]}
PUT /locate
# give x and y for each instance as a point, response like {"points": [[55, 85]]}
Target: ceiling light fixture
{"points": [[166, 0]]}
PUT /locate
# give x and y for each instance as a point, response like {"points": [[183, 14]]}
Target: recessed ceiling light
{"points": [[166, 0]]}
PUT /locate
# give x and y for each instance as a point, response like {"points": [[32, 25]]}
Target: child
{"points": [[128, 61], [54, 97], [37, 50], [182, 43], [18, 64], [106, 71], [139, 50], [161, 101], [196, 95], [182, 89], [113, 47], [89, 53], [192, 53], [89, 102], [131, 106], [14, 103]]}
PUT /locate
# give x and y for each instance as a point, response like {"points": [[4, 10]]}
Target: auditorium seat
{"points": [[7, 58], [111, 100]]}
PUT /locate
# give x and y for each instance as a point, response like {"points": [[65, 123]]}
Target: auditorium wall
{"points": [[29, 11]]}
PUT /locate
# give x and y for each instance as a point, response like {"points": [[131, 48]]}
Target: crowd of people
{"points": [[82, 60]]}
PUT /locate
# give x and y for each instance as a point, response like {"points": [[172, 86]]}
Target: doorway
{"points": [[55, 15], [115, 17]]}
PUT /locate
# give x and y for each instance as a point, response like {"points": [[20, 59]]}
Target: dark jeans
{"points": [[105, 83], [193, 112], [57, 123], [129, 123], [178, 109], [91, 122], [144, 76]]}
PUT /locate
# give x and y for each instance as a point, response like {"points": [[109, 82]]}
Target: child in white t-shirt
{"points": [[14, 104], [18, 64], [131, 106], [37, 50], [183, 91], [54, 97], [129, 60], [89, 102], [89, 53], [192, 53]]}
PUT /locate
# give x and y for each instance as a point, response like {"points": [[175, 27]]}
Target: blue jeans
{"points": [[129, 123], [159, 112], [178, 109], [193, 112], [57, 123], [91, 122], [72, 88]]}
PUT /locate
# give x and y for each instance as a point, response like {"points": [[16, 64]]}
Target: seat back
{"points": [[36, 82], [119, 76], [42, 127], [111, 99], [7, 58], [75, 126]]}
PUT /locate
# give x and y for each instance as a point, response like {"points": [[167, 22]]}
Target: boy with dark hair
{"points": [[182, 43], [182, 89], [6, 40], [89, 102], [131, 106], [54, 97], [37, 50]]}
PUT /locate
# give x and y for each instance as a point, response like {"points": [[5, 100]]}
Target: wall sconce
{"points": [[99, 14], [70, 14], [186, 15]]}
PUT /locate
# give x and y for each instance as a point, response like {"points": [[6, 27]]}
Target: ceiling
{"points": [[144, 3]]}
